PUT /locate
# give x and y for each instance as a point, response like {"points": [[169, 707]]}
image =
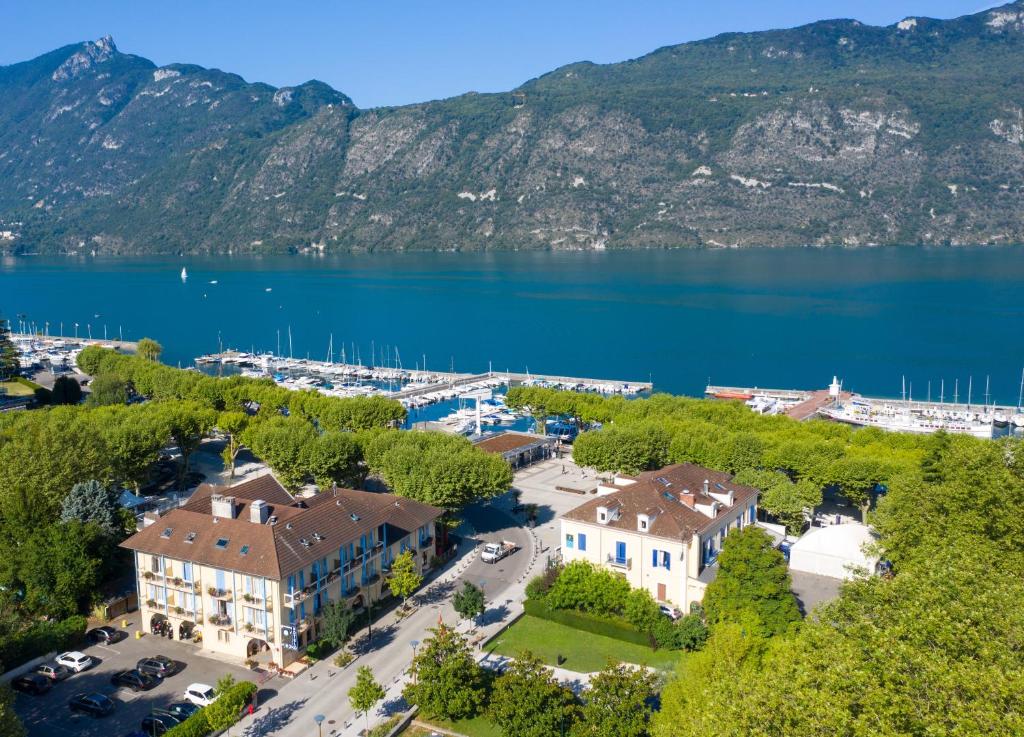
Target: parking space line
{"points": [[107, 647]]}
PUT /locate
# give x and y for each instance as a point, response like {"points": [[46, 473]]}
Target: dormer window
{"points": [[643, 522]]}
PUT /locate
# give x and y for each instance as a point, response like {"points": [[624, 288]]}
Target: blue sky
{"points": [[383, 52]]}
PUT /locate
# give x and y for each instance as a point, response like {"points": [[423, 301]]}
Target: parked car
{"points": [[32, 683], [157, 723], [103, 635], [75, 660], [94, 704], [670, 612], [200, 694], [183, 709], [134, 680], [158, 665], [53, 671]]}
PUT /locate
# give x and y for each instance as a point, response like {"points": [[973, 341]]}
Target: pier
{"points": [[126, 346]]}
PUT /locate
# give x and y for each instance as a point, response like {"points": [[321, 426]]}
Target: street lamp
{"points": [[319, 719], [415, 644]]}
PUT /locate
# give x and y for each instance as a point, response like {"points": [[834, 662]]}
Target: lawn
{"points": [[476, 727], [583, 652], [14, 389]]}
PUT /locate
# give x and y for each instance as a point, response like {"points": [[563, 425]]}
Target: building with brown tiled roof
{"points": [[662, 530], [519, 449], [250, 567]]}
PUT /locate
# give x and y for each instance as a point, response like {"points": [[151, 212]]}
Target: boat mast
{"points": [[970, 389], [904, 388], [942, 390], [986, 391], [330, 349], [1020, 395], [956, 391], [929, 391], [289, 341]]}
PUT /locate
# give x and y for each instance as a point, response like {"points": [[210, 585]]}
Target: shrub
{"points": [[343, 658], [585, 587], [219, 715], [382, 729], [607, 626], [40, 638], [539, 586]]}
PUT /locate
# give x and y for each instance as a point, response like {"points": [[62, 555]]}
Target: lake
{"points": [[788, 317]]}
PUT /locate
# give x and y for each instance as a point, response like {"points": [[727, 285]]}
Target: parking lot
{"points": [[48, 715]]}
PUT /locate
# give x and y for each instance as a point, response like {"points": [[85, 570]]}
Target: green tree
{"points": [[9, 364], [787, 502], [583, 586], [404, 578], [58, 567], [188, 424], [527, 701], [642, 611], [447, 681], [149, 349], [333, 458], [469, 602], [233, 425], [91, 501], [617, 704], [10, 723], [281, 442], [134, 437], [857, 479], [752, 585], [337, 619], [365, 693], [65, 391], [107, 389]]}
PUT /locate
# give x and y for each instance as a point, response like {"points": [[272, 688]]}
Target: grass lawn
{"points": [[583, 652], [14, 389], [476, 727]]}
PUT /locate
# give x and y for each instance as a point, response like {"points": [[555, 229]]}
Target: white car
{"points": [[200, 694], [75, 660]]}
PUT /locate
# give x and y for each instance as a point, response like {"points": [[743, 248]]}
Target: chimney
{"points": [[707, 487], [222, 506], [259, 512]]}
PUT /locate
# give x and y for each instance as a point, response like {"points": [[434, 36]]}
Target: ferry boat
{"points": [[867, 413]]}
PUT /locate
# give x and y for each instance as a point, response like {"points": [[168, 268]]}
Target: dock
{"points": [[127, 346]]}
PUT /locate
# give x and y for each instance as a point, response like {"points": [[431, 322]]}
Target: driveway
{"points": [[48, 715]]}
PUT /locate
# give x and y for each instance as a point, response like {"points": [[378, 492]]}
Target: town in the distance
{"points": [[273, 546]]}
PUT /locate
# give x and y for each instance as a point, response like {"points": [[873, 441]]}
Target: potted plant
{"points": [[249, 627], [213, 619], [248, 598], [179, 610], [148, 575], [151, 603], [213, 591], [250, 664], [177, 582]]}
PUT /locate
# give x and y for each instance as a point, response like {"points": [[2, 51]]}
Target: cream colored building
{"points": [[662, 530], [251, 567]]}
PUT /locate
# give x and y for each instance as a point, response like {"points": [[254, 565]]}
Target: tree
{"points": [[617, 704], [752, 585], [65, 391], [642, 611], [527, 701], [134, 437], [365, 693], [857, 479], [337, 618], [91, 501], [333, 458], [404, 578], [149, 349], [787, 502], [447, 680], [233, 425], [58, 567], [9, 364], [583, 586], [188, 423], [469, 602], [10, 723], [281, 442], [107, 389]]}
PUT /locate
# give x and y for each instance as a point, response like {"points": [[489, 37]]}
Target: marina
{"points": [[987, 420]]}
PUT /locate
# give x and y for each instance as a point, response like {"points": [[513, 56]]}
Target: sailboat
{"points": [[184, 274]]}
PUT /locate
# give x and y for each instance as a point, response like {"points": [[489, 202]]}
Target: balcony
{"points": [[293, 598], [220, 620], [616, 562], [426, 542], [252, 599], [216, 593]]}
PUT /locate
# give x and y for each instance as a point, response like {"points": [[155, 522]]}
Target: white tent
{"points": [[833, 551]]}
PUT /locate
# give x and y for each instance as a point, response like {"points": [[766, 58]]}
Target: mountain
{"points": [[831, 133]]}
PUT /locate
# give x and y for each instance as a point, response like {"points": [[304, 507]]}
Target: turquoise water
{"points": [[766, 317]]}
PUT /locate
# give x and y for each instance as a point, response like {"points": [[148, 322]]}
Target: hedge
{"points": [[219, 715], [617, 629], [40, 638]]}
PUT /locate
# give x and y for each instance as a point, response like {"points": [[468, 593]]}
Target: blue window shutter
{"points": [[220, 579], [582, 541], [666, 560], [654, 558], [291, 584]]}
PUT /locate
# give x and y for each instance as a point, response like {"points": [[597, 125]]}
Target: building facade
{"points": [[250, 568], [662, 530]]}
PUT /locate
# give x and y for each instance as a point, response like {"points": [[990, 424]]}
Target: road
{"points": [[323, 689]]}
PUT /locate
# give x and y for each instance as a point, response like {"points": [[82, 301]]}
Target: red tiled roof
{"points": [[337, 516], [668, 495]]}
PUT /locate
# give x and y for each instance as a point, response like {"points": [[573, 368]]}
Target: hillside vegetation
{"points": [[831, 133]]}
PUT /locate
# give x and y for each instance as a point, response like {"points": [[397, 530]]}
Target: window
{"points": [[753, 514], [167, 532], [190, 537], [666, 560], [187, 571], [158, 564], [602, 516], [568, 542], [643, 524], [582, 542], [222, 543], [244, 550], [654, 558]]}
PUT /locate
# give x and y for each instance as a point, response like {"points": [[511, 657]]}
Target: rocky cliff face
{"points": [[833, 133]]}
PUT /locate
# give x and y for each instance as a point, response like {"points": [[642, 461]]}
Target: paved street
{"points": [[323, 689]]}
